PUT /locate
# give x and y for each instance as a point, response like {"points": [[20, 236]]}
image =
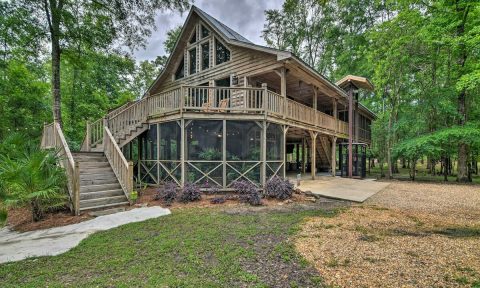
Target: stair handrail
{"points": [[121, 167], [53, 137]]}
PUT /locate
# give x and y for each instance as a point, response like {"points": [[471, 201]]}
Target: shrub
{"points": [[248, 192], [278, 188], [191, 192], [168, 193]]}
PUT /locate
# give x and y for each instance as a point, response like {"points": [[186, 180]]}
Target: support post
{"points": [[335, 114], [224, 154], [130, 177], [182, 151], [76, 189], [88, 137], [313, 153], [315, 106], [284, 144], [334, 155], [304, 166], [263, 153], [297, 155], [350, 130], [265, 98], [283, 89]]}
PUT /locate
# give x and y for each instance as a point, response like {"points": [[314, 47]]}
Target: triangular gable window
{"points": [[222, 54], [205, 32], [180, 73], [194, 37]]}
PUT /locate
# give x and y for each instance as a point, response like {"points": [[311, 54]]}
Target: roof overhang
{"points": [[357, 81]]}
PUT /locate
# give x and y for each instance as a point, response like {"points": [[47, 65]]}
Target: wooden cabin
{"points": [[223, 109]]}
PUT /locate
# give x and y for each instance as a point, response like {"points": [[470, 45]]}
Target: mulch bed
{"points": [[408, 235], [147, 198], [20, 219]]}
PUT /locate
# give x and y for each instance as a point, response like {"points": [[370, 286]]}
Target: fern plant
{"points": [[35, 180]]}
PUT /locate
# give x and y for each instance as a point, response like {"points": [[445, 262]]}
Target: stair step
{"points": [[98, 188], [102, 201], [92, 208], [98, 175], [91, 170], [95, 182], [101, 194], [94, 165]]}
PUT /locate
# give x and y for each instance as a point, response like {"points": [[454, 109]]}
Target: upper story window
{"points": [[194, 37], [193, 61], [222, 54], [205, 55], [180, 70], [204, 31]]}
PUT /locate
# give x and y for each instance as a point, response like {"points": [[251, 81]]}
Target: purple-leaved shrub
{"points": [[191, 192], [248, 192], [278, 188], [168, 193]]}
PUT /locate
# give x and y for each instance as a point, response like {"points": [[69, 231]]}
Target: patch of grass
{"points": [[460, 232], [332, 263], [189, 248]]}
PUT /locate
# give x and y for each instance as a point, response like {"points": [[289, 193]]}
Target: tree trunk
{"points": [[445, 168], [53, 11], [412, 172]]}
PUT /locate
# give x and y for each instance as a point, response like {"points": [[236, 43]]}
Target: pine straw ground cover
{"points": [[408, 235]]}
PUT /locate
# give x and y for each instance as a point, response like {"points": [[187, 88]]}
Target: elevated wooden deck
{"points": [[241, 103]]}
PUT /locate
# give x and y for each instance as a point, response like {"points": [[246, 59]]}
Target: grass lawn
{"points": [[189, 248]]}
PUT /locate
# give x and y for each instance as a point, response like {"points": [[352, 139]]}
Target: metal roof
{"points": [[226, 31]]}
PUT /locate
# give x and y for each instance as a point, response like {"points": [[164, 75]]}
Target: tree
{"points": [[115, 23]]}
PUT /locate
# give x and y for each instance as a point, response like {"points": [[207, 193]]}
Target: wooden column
{"points": [[335, 114], [182, 152], [313, 153], [304, 166], [334, 155], [224, 153], [284, 143], [263, 153], [158, 153], [350, 130], [283, 89]]}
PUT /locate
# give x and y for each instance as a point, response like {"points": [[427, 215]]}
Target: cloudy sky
{"points": [[244, 16]]}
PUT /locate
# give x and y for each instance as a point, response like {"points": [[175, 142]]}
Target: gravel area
{"points": [[408, 235]]}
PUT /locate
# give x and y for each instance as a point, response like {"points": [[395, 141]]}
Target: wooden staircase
{"points": [[322, 153], [99, 186]]}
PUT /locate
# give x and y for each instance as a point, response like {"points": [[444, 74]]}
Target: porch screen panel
{"points": [[204, 151], [148, 164], [243, 151], [170, 149], [275, 151]]}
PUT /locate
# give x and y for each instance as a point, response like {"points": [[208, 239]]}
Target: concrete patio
{"points": [[355, 190]]}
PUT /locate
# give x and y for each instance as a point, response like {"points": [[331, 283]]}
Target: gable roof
{"points": [[234, 38]]}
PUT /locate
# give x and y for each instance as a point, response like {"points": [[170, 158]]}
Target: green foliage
{"points": [[210, 154], [31, 177]]}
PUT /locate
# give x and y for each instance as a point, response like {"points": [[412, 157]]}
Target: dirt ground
{"points": [[407, 235]]}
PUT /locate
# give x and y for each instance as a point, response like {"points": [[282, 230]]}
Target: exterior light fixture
{"points": [[234, 79]]}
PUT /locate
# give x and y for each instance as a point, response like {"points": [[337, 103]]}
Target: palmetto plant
{"points": [[33, 180]]}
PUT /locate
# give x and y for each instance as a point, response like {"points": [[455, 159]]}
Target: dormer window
{"points": [[205, 31], [193, 39], [222, 54], [180, 73]]}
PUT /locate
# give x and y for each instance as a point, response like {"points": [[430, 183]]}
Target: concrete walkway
{"points": [[16, 246], [343, 188]]}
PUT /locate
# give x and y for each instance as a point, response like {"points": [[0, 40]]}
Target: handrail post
{"points": [[130, 176], [265, 97], [105, 124], [76, 188], [88, 137]]}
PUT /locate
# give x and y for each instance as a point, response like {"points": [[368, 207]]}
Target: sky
{"points": [[244, 16]]}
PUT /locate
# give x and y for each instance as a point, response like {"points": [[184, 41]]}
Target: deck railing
{"points": [[210, 99], [121, 167], [53, 138]]}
